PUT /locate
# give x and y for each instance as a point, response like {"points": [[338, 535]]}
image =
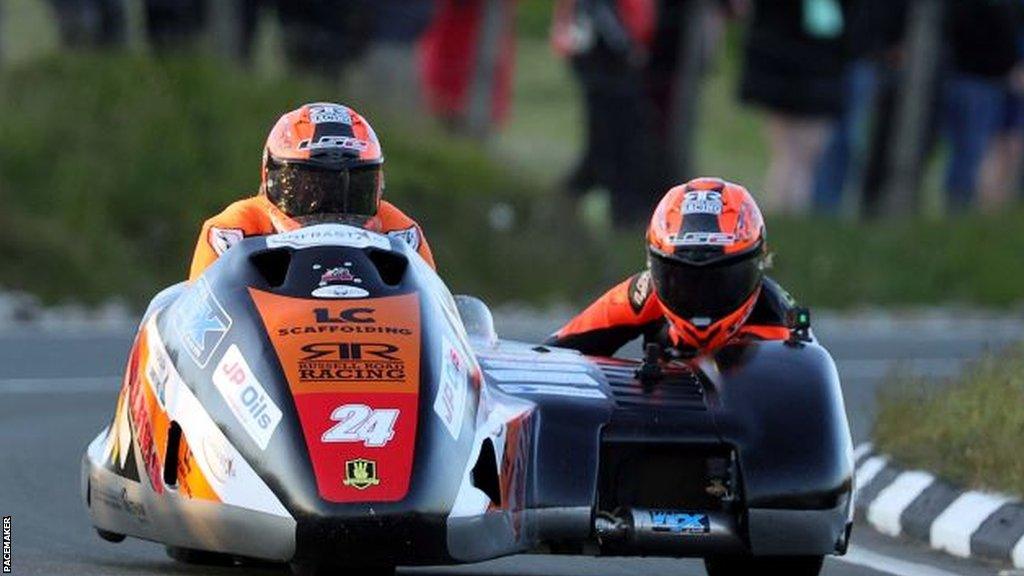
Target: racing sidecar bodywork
{"points": [[318, 397]]}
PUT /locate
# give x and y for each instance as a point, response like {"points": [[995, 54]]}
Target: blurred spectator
{"points": [[1001, 172], [608, 43], [793, 68], [875, 32], [466, 62], [982, 35], [172, 24], [90, 23], [323, 36]]}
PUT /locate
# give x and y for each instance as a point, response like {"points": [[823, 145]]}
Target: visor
{"points": [[300, 190], [712, 291]]}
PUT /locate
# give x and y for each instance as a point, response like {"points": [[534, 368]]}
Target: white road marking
{"points": [[885, 511], [869, 469], [64, 384], [862, 451], [888, 565], [952, 530]]}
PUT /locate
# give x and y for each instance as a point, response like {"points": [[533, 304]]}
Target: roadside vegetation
{"points": [[110, 162], [966, 430]]}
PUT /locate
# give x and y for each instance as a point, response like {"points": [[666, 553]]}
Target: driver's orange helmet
{"points": [[706, 246], [323, 160]]}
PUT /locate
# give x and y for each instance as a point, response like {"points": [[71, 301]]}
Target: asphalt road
{"points": [[57, 390]]}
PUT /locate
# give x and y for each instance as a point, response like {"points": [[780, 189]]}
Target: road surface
{"points": [[57, 390]]}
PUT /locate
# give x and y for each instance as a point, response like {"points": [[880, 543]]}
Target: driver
{"points": [[704, 285], [322, 163]]}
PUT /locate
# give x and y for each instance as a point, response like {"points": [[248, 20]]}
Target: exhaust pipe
{"points": [[640, 530]]}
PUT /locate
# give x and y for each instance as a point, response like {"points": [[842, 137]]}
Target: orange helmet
{"points": [[323, 159], [706, 246]]}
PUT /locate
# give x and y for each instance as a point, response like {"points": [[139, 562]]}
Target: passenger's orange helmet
{"points": [[706, 246], [323, 160]]}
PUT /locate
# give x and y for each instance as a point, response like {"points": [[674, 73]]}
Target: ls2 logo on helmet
{"points": [[703, 239]]}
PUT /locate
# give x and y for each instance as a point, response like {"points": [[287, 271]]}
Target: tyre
{"points": [[749, 565], [199, 557], [110, 536], [303, 569]]}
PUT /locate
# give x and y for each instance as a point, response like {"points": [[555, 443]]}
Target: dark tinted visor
{"points": [[713, 291], [301, 190]]}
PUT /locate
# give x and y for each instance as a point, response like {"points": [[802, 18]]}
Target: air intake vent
{"points": [[390, 265], [678, 389], [272, 265]]}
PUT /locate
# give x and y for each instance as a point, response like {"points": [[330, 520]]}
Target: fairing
{"points": [[315, 397]]}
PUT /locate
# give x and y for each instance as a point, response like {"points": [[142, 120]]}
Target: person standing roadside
{"points": [[607, 43], [983, 36], [795, 56]]}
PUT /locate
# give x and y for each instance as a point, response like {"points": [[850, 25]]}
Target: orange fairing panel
{"points": [[353, 367]]}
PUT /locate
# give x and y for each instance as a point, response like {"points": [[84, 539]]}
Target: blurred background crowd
{"points": [[855, 93], [521, 112]]}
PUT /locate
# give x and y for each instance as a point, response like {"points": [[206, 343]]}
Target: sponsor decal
{"points": [[450, 402], [361, 474], [358, 320], [351, 362], [329, 114], [337, 274], [514, 461], [221, 239], [339, 291], [219, 459], [410, 236], [135, 509], [353, 369], [360, 423], [552, 390], [543, 377], [703, 239], [639, 291], [8, 543], [329, 235], [141, 415], [702, 202], [118, 500], [246, 397], [201, 322], [158, 373], [682, 523], [118, 457]]}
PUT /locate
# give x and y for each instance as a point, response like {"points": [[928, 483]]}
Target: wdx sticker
{"points": [[360, 423]]}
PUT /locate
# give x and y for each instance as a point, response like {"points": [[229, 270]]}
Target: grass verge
{"points": [[967, 430]]}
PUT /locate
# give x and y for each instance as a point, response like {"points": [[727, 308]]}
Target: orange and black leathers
{"points": [[256, 216], [631, 310]]}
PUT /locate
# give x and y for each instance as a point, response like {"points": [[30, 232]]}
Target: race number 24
{"points": [[360, 423]]}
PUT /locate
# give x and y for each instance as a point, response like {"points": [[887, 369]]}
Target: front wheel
{"points": [[746, 565]]}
